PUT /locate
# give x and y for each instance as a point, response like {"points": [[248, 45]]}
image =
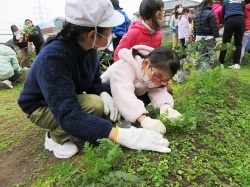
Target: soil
{"points": [[21, 164]]}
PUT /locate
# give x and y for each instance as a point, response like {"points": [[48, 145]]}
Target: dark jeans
{"points": [[116, 41], [15, 76], [234, 25]]}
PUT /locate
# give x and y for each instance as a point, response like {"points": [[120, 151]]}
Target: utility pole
{"points": [[41, 12]]}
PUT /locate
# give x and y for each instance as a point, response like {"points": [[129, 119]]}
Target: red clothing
{"points": [[247, 16], [138, 34], [217, 10]]}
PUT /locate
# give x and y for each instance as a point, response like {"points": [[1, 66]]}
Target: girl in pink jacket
{"points": [[217, 10], [140, 77], [146, 31], [184, 33]]}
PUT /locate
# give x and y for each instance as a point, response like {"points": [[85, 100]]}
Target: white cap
{"points": [[92, 13]]}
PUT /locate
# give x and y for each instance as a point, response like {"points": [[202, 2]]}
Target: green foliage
{"points": [[91, 169], [210, 142], [98, 161], [26, 29], [105, 59]]}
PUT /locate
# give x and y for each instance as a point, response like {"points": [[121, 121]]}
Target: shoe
{"points": [[235, 66], [7, 83], [25, 68], [66, 150], [222, 66]]}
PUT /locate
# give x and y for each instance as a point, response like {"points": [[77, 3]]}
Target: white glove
{"points": [[171, 113], [154, 125], [110, 107], [142, 139], [175, 78]]}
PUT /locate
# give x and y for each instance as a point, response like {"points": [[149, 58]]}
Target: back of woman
{"points": [[8, 62]]}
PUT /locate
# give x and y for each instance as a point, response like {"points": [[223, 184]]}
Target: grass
{"points": [[210, 143]]}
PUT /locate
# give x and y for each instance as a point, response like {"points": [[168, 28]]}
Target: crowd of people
{"points": [[66, 93]]}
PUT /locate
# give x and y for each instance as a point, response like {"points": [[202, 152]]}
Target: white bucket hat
{"points": [[92, 13]]}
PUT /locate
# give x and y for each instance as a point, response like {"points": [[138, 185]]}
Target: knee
{"points": [[92, 104]]}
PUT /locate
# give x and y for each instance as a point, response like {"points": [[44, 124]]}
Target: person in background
{"points": [[217, 10], [119, 30], [22, 45], [63, 91], [234, 17], [36, 37], [143, 71], [184, 34], [9, 65], [247, 29], [145, 31], [174, 24], [206, 26]]}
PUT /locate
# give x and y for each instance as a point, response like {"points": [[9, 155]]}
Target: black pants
{"points": [[234, 25], [15, 76], [116, 41]]}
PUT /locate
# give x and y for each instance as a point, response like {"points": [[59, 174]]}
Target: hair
{"points": [[203, 4], [218, 1], [163, 58], [12, 28], [185, 9], [29, 21], [175, 11], [115, 3], [72, 32], [147, 10], [247, 1]]}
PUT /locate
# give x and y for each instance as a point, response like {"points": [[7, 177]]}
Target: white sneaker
{"points": [[235, 66], [8, 83], [66, 150], [222, 66]]}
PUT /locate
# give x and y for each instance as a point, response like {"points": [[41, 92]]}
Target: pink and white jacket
{"points": [[125, 80], [183, 27], [138, 34]]}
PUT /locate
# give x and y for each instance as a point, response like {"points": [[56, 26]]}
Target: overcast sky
{"points": [[16, 11]]}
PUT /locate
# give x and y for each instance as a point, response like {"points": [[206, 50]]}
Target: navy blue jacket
{"points": [[206, 24], [232, 8], [19, 44], [37, 37], [60, 72]]}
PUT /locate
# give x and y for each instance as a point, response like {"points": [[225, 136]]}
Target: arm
{"points": [[127, 21], [213, 25], [97, 86], [62, 100], [122, 77]]}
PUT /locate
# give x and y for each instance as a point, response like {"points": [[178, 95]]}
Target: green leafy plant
{"points": [[26, 29]]}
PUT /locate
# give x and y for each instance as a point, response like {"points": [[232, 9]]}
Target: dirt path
{"points": [[25, 162]]}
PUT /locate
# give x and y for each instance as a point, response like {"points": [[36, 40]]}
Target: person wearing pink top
{"points": [[217, 10], [145, 31], [247, 29], [142, 71], [184, 33]]}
